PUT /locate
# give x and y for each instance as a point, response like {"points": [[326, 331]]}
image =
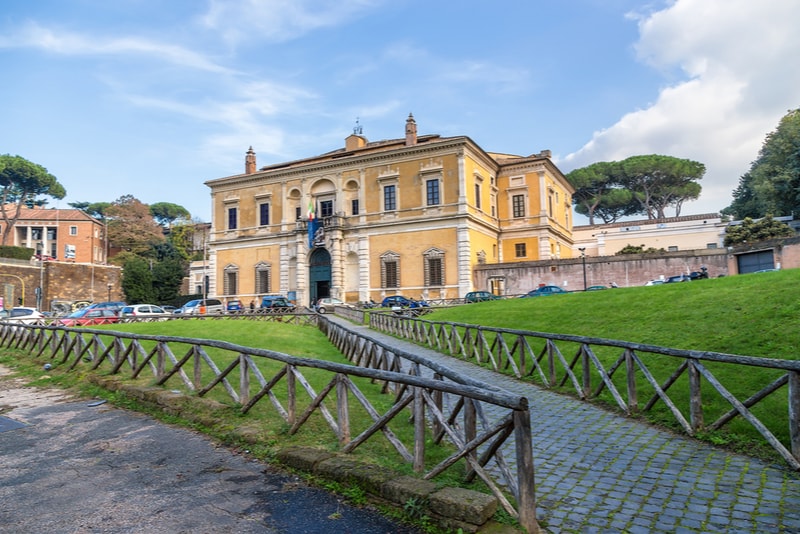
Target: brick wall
{"points": [[61, 280]]}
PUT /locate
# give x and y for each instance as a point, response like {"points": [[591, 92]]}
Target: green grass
{"points": [[753, 315], [756, 314]]}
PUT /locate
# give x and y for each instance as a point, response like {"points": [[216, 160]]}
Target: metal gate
{"points": [[319, 275], [755, 261]]}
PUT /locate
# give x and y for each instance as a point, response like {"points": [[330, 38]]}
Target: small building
{"points": [[59, 234]]}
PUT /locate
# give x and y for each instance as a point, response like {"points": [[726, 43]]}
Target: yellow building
{"points": [[408, 216]]}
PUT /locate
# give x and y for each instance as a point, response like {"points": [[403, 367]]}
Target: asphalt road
{"points": [[75, 466]]}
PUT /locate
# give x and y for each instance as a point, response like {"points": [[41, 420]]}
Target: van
{"points": [[202, 307]]}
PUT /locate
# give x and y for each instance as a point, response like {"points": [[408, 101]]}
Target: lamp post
{"points": [[583, 261], [110, 285]]}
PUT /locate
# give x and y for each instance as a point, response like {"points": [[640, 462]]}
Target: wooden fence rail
{"points": [[449, 407], [545, 359]]}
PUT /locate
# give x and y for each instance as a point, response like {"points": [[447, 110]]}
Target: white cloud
{"points": [[278, 20], [738, 59], [73, 44]]}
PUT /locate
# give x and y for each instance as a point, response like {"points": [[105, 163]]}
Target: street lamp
{"points": [[110, 285], [583, 260]]}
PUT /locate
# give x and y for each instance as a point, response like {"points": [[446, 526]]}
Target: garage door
{"points": [[756, 261]]}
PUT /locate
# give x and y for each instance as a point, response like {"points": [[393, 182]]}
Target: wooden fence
{"points": [[448, 407], [572, 362]]}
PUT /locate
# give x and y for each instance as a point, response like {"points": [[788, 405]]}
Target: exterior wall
{"points": [[679, 233], [59, 281], [466, 226], [625, 271], [630, 269]]}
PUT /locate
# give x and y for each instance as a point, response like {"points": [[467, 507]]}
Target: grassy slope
{"points": [[756, 314]]}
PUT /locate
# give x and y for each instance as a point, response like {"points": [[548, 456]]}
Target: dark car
{"points": [[543, 291], [399, 301], [678, 278], [480, 296], [276, 303], [234, 306]]}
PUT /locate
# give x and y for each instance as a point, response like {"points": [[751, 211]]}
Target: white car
{"points": [[21, 314], [143, 310]]}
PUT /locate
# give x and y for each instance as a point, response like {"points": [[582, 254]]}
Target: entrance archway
{"points": [[319, 274]]}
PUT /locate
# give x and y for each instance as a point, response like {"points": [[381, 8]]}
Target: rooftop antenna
{"points": [[358, 130]]}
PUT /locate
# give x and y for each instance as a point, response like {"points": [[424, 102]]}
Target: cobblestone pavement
{"points": [[597, 471]]}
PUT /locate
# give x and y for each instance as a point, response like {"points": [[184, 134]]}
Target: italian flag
{"points": [[310, 211]]}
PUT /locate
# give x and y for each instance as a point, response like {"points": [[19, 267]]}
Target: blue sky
{"points": [[152, 97]]}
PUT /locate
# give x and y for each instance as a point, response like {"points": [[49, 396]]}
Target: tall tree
{"points": [[659, 182], [22, 183], [166, 213], [131, 226], [772, 185], [597, 193]]}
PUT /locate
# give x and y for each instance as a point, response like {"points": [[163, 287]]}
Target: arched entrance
{"points": [[319, 274]]}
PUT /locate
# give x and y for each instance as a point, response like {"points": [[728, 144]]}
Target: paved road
{"points": [[600, 472], [71, 466]]}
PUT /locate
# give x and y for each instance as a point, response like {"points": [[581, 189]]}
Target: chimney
{"points": [[250, 162], [411, 130]]}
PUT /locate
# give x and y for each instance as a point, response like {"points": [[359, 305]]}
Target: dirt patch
{"points": [[16, 394]]}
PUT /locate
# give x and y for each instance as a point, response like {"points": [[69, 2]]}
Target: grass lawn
{"points": [[754, 315]]}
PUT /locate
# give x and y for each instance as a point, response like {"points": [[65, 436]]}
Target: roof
{"points": [[49, 214]]}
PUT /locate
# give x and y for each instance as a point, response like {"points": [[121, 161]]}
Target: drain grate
{"points": [[9, 424]]}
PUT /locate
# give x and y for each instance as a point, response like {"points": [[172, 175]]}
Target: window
{"points": [[434, 267], [711, 245], [73, 230], [432, 192], [263, 279], [518, 204], [519, 250], [232, 218], [673, 248], [390, 270], [354, 206], [326, 208], [550, 204], [389, 197], [231, 280], [297, 213], [263, 214], [478, 196]]}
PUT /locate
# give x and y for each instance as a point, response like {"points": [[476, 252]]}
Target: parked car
{"points": [[654, 283], [202, 307], [596, 288], [479, 296], [328, 303], [678, 278], [21, 314], [88, 317], [276, 303], [114, 306], [399, 301], [169, 309], [234, 306], [543, 291], [143, 310]]}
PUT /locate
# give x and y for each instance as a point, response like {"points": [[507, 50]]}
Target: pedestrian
{"points": [[252, 306]]}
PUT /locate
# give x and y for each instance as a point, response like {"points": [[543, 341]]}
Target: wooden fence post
{"points": [[794, 412], [342, 410], [630, 373], [526, 499], [244, 380], [695, 397], [419, 430]]}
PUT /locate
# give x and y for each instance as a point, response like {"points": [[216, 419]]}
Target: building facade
{"points": [[59, 234], [409, 216]]}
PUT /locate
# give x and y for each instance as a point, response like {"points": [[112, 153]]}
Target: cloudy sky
{"points": [[152, 97]]}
